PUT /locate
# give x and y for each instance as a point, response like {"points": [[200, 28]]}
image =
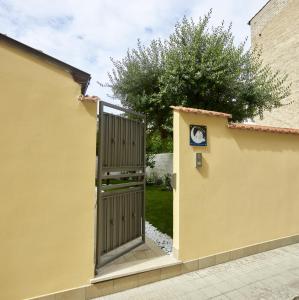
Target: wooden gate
{"points": [[120, 183]]}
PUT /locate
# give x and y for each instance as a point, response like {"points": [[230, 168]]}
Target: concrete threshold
{"points": [[135, 267]]}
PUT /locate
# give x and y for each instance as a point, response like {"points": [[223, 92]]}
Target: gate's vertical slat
{"points": [[140, 143], [144, 182], [111, 223], [119, 221], [107, 144], [120, 144], [108, 224], [104, 225], [136, 214], [134, 143], [113, 141], [107, 148], [116, 158], [139, 214], [136, 200], [140, 146], [133, 216], [121, 154], [105, 138], [107, 133], [110, 140], [130, 217], [117, 152], [127, 143], [124, 218], [130, 144], [115, 221]]}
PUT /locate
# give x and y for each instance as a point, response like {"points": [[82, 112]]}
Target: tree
{"points": [[197, 66]]}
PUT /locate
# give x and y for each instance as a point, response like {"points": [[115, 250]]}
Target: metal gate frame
{"points": [[104, 189]]}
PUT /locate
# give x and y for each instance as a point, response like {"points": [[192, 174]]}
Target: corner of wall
{"points": [[176, 190]]}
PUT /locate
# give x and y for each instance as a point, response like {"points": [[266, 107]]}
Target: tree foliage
{"points": [[197, 66]]}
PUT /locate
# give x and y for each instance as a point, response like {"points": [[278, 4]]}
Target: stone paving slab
{"points": [[269, 275]]}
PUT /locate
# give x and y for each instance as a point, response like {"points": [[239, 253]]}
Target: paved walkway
{"points": [[268, 275]]}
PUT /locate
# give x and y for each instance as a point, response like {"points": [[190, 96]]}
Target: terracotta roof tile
{"points": [[87, 98], [254, 127], [201, 111]]}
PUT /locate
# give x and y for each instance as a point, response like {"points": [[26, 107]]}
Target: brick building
{"points": [[275, 28]]}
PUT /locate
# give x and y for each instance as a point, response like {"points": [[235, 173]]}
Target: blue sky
{"points": [[86, 33]]}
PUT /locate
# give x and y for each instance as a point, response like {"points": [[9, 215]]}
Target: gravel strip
{"points": [[163, 240]]}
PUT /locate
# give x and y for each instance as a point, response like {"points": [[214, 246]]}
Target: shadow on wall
{"points": [[265, 141], [89, 107]]}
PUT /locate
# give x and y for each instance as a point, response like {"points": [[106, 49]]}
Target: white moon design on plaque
{"points": [[197, 137]]}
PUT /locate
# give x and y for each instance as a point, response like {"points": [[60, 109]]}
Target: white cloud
{"points": [[86, 33]]}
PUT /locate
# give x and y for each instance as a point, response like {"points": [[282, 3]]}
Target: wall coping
{"points": [[242, 126], [201, 111], [93, 99], [253, 127]]}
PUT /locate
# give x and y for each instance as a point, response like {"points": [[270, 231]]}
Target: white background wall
{"points": [[163, 165]]}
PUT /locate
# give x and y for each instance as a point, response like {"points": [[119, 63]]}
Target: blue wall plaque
{"points": [[198, 135]]}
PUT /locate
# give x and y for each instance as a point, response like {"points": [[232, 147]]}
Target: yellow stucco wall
{"points": [[246, 192], [47, 172]]}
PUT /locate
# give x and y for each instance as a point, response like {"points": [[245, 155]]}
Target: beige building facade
{"points": [[275, 30]]}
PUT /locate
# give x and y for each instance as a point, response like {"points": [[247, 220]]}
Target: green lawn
{"points": [[158, 208]]}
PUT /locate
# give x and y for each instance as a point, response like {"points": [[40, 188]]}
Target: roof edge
{"points": [[249, 22], [79, 76]]}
